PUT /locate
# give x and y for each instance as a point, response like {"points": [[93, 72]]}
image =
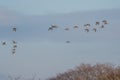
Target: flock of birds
{"points": [[14, 43], [87, 27]]}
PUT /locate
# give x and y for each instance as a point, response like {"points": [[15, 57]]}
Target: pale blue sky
{"points": [[58, 6], [46, 53]]}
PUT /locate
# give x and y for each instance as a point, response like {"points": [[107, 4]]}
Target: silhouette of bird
{"points": [[14, 29], [87, 24], [13, 51], [94, 29], [14, 46], [54, 26], [105, 21], [87, 30], [3, 43], [50, 28], [75, 27], [102, 26], [66, 29], [67, 41], [14, 42], [97, 23]]}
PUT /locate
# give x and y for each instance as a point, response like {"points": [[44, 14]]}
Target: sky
{"points": [[54, 6], [44, 53]]}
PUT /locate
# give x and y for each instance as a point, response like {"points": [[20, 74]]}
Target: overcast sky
{"points": [[55, 6], [44, 53]]}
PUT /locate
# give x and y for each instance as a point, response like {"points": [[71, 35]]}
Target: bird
{"points": [[75, 27], [66, 29], [54, 26], [50, 28], [3, 43], [67, 41], [14, 42], [94, 29], [87, 30], [13, 51], [14, 46], [14, 29], [102, 26], [97, 23], [87, 25], [105, 21]]}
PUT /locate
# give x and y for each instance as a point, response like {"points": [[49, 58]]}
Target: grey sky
{"points": [[44, 52], [38, 7]]}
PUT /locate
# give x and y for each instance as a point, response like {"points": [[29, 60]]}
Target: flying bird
{"points": [[102, 26], [94, 29], [97, 23], [87, 27], [14, 29], [105, 21], [66, 29], [87, 30], [54, 26], [13, 51], [67, 41], [75, 27], [14, 46], [14, 42], [3, 43], [50, 28]]}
